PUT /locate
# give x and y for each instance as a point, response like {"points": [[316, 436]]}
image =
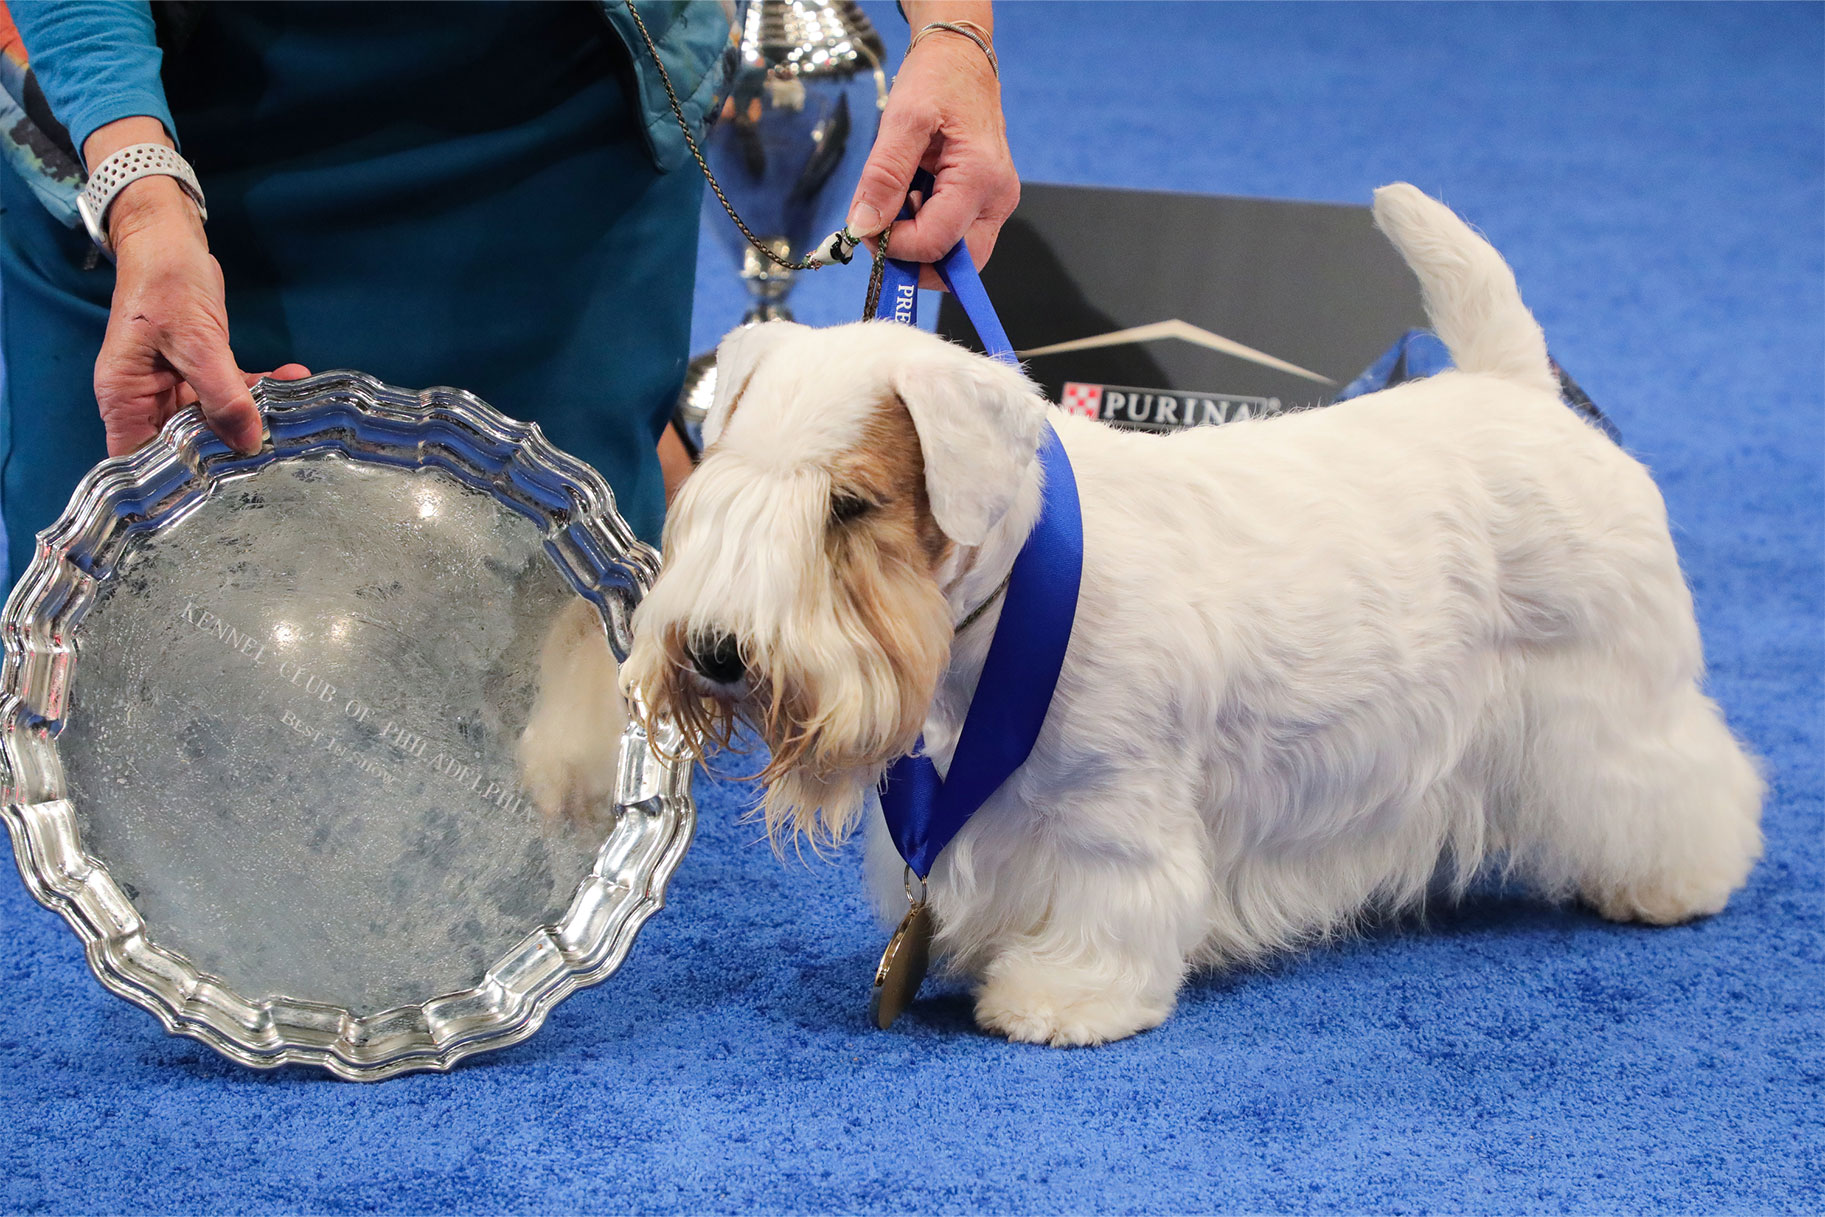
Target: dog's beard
{"points": [[837, 694]]}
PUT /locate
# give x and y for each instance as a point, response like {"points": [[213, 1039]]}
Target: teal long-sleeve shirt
{"points": [[96, 60]]}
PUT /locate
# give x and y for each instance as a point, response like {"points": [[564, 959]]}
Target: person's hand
{"points": [[944, 115], [167, 340]]}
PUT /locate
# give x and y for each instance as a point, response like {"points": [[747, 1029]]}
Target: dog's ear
{"points": [[737, 355], [978, 422]]}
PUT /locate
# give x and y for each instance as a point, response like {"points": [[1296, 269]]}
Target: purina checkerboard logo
{"points": [[1161, 409], [1086, 400]]}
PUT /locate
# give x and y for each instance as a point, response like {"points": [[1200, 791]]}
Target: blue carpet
{"points": [[1655, 175]]}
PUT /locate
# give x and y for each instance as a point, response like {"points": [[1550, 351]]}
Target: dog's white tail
{"points": [[1470, 292]]}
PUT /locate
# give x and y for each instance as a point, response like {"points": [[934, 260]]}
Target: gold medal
{"points": [[903, 964]]}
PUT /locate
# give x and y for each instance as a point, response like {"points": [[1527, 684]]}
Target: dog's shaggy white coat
{"points": [[1321, 662]]}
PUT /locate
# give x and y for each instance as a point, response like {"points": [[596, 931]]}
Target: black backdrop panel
{"points": [[1310, 284]]}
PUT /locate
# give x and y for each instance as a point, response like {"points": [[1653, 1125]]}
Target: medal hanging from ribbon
{"points": [[923, 811]]}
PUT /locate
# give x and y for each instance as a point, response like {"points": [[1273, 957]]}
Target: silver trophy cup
{"points": [[787, 148]]}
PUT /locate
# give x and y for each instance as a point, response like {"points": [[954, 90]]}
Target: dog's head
{"points": [[849, 474]]}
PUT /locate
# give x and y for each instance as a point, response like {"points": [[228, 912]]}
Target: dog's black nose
{"points": [[719, 661]]}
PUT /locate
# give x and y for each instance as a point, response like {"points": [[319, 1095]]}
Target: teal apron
{"points": [[435, 194]]}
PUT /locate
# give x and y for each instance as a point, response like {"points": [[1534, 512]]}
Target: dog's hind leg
{"points": [[1106, 960], [1640, 803]]}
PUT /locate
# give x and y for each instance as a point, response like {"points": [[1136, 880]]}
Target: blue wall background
{"points": [[1656, 175]]}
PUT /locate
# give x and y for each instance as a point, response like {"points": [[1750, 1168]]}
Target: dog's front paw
{"points": [[569, 752], [1660, 904], [568, 768], [1033, 1006]]}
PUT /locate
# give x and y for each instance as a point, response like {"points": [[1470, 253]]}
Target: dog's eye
{"points": [[847, 507]]}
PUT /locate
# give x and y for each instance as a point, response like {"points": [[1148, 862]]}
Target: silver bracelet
{"points": [[129, 165], [970, 30]]}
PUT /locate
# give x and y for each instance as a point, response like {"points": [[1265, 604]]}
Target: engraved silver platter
{"points": [[318, 749]]}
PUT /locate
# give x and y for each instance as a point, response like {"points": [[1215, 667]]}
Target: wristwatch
{"points": [[129, 165]]}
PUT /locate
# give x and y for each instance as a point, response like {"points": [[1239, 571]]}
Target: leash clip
{"points": [[839, 247]]}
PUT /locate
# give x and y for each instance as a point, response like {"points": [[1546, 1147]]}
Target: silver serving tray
{"points": [[262, 720]]}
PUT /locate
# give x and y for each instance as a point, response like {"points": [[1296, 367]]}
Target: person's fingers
{"points": [[186, 397], [937, 227], [221, 390], [133, 389], [905, 134], [129, 428], [983, 235], [285, 371]]}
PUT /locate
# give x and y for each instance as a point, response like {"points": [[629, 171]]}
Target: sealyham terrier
{"points": [[1320, 663]]}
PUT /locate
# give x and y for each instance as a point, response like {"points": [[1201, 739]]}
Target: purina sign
{"points": [[1159, 410]]}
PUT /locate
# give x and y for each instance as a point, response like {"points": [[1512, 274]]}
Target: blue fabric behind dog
{"points": [[1654, 174], [1421, 353]]}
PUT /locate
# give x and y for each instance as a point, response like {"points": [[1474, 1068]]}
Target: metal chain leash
{"points": [[875, 274], [843, 241], [665, 78]]}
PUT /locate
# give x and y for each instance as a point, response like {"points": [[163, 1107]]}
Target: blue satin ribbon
{"points": [[1027, 653]]}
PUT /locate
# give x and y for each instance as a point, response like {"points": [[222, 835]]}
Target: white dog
{"points": [[1319, 660]]}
